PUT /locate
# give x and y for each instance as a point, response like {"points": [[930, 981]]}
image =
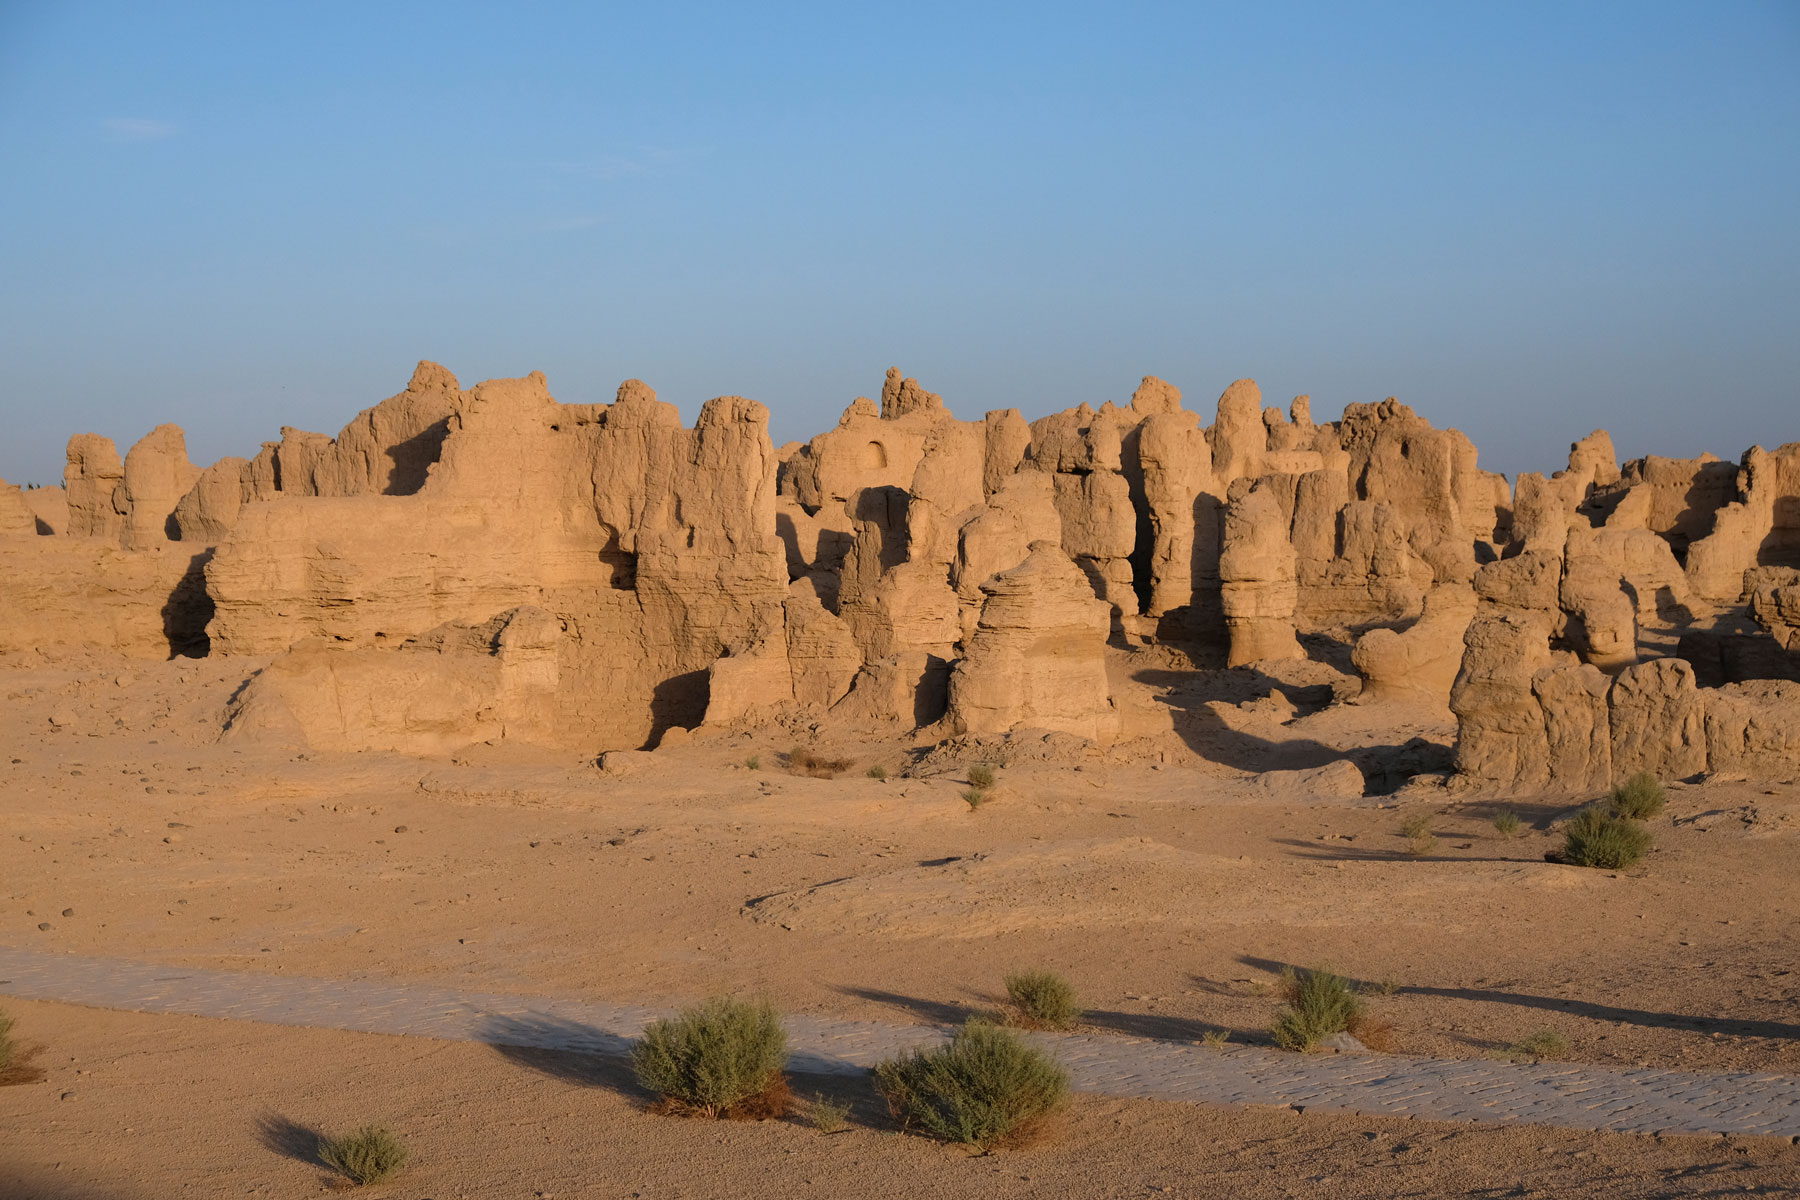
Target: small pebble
{"points": [[68, 912], [44, 927], [68, 1095], [399, 829], [172, 838]]}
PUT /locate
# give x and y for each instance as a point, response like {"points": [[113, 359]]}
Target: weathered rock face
{"points": [[50, 505], [16, 517], [1420, 663], [1761, 528], [497, 681], [1037, 659], [1500, 724], [62, 591], [653, 546], [157, 474], [93, 474], [387, 450], [1753, 728], [1256, 572]]}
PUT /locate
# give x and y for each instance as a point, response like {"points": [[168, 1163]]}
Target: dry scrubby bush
{"points": [[721, 1058], [974, 797], [828, 1115], [1417, 832], [15, 1060], [802, 761], [1545, 1043], [1042, 1000], [1597, 838], [982, 776], [877, 773], [1638, 798], [1507, 823], [369, 1155], [1321, 1003], [986, 1088]]}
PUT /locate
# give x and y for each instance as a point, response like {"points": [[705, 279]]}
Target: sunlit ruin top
{"points": [[487, 565]]}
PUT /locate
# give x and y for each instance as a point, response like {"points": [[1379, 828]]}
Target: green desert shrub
{"points": [[982, 776], [988, 1087], [827, 1114], [1597, 838], [754, 762], [1639, 798], [1042, 1000], [1320, 1003], [369, 1155], [1416, 830], [721, 1058], [877, 773], [1545, 1043], [974, 797], [1507, 823]]}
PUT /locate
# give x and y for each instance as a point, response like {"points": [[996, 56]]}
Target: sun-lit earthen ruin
{"points": [[474, 565]]}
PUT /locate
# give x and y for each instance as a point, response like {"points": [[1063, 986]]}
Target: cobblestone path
{"points": [[1567, 1094]]}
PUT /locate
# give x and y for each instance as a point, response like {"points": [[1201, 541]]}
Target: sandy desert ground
{"points": [[1170, 894], [236, 1104]]}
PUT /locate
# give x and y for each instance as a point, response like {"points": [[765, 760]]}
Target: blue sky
{"points": [[1525, 220]]}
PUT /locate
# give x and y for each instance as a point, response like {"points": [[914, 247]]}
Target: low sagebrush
{"points": [[1507, 823], [877, 773], [982, 776], [369, 1155], [721, 1058], [974, 797], [803, 761], [1638, 798], [1597, 838], [1042, 1000], [1320, 1003], [828, 1115], [988, 1087], [1545, 1043]]}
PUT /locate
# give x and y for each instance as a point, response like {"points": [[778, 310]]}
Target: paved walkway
{"points": [[1567, 1094]]}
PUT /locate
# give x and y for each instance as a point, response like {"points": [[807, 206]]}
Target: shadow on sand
{"points": [[1580, 1008]]}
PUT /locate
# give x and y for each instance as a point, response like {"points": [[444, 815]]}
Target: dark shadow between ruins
{"points": [[1189, 694], [1579, 1008], [188, 611], [679, 700], [413, 459], [1385, 768]]}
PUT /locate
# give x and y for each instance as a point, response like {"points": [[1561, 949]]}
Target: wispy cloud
{"points": [[604, 167], [138, 129]]}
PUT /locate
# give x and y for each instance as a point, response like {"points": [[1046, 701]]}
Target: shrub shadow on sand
{"points": [[566, 1050]]}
